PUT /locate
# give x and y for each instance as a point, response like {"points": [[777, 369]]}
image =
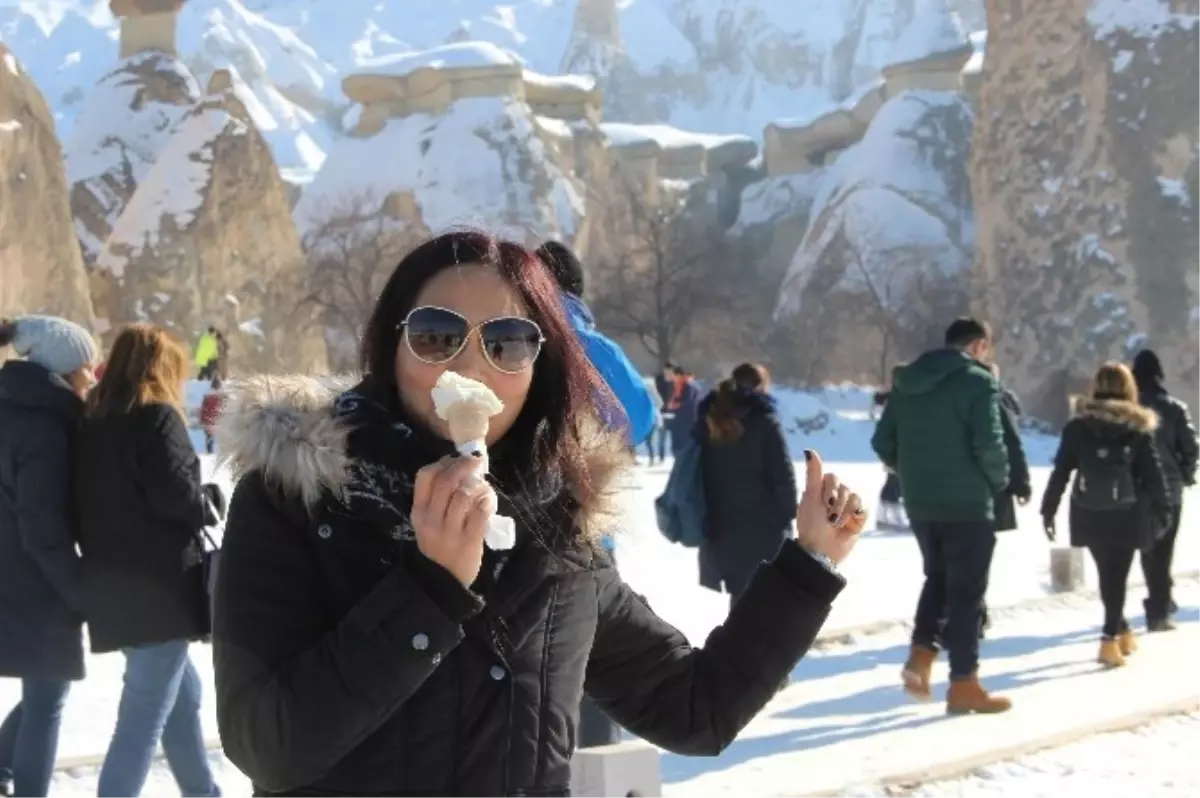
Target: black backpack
{"points": [[1105, 478]]}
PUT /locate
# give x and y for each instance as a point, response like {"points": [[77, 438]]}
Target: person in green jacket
{"points": [[941, 432]]}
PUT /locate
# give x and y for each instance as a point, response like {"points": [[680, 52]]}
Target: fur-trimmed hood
{"points": [[1116, 412], [285, 428], [288, 428]]}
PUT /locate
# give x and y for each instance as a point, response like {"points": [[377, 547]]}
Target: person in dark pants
{"points": [[749, 485], [684, 407], [1175, 439], [41, 580], [942, 432], [1119, 501], [665, 383]]}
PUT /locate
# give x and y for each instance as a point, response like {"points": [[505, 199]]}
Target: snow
{"points": [[847, 105], [934, 30], [621, 134], [173, 189], [465, 167], [1176, 189], [582, 83], [1142, 18], [974, 65], [461, 55], [1122, 59], [851, 680], [765, 201]]}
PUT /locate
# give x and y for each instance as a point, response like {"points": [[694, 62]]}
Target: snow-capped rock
{"points": [[41, 268], [119, 134], [207, 238], [460, 138]]}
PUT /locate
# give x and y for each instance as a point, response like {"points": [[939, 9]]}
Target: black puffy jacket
{"points": [[348, 664], [1175, 439], [41, 579]]}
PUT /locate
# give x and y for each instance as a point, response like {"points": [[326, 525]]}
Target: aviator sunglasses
{"points": [[437, 335]]}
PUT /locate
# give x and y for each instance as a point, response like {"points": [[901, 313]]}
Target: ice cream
{"points": [[467, 406]]}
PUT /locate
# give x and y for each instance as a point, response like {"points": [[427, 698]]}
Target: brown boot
{"points": [[1126, 642], [918, 671], [1110, 653], [967, 695]]}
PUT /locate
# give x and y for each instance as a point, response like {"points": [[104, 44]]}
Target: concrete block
{"points": [[625, 770], [1066, 569]]}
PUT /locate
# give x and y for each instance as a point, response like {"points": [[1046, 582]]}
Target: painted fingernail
{"points": [[833, 518], [808, 454], [860, 511], [831, 500], [477, 454], [455, 454]]}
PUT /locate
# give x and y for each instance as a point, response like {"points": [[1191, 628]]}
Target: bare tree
{"points": [[665, 266], [352, 249]]}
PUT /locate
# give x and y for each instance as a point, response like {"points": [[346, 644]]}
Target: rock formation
{"points": [[127, 120], [1085, 182], [452, 126], [40, 264], [208, 238]]}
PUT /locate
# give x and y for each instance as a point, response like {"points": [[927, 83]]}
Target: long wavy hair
{"points": [[147, 365], [723, 424], [559, 419]]}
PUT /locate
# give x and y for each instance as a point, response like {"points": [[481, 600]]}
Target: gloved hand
{"points": [[1022, 493], [1048, 526]]}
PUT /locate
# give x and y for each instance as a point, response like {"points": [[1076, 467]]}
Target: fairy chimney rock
{"points": [[147, 24], [930, 53], [430, 81], [41, 268]]}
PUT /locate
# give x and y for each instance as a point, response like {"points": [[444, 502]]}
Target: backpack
{"points": [[1105, 479], [681, 509]]}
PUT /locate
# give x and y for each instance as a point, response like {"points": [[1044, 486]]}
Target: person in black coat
{"points": [[1179, 452], [1020, 487], [41, 599], [749, 485], [1119, 500], [366, 642], [142, 508]]}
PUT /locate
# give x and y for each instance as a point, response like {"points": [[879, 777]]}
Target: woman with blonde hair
{"points": [[142, 509], [1119, 499]]}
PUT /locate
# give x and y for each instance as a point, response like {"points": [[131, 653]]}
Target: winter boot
{"points": [[967, 696], [918, 671], [1110, 653], [1160, 625], [1126, 642]]}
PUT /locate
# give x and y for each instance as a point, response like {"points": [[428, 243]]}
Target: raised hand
{"points": [[452, 506], [830, 517]]}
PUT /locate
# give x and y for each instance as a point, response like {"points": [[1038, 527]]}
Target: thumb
{"points": [[814, 471]]}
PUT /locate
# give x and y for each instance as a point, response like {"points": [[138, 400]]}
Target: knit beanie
{"points": [[1147, 369], [55, 344]]}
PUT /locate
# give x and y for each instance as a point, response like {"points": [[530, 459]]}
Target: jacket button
{"points": [[420, 641], [497, 673], [324, 531]]}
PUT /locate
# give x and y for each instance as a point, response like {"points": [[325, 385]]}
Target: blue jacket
{"points": [[637, 413]]}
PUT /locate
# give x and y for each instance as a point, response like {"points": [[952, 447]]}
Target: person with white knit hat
{"points": [[41, 602]]}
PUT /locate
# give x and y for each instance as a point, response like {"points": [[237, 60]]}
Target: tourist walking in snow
{"points": [[619, 374], [656, 433], [684, 408], [664, 382], [1175, 439], [367, 642], [142, 509], [749, 485], [41, 590], [1020, 487], [210, 411], [1119, 501], [207, 352], [942, 433]]}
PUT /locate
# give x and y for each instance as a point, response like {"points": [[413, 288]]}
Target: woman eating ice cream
{"points": [[369, 641]]}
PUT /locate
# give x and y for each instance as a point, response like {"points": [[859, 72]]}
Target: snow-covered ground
{"points": [[1152, 760], [884, 573]]}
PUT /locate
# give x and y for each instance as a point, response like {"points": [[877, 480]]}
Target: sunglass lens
{"points": [[435, 335], [511, 344]]}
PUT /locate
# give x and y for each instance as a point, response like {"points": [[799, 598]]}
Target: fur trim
{"points": [[1117, 411], [283, 427]]}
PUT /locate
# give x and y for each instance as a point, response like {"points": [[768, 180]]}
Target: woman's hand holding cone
{"points": [[830, 517]]}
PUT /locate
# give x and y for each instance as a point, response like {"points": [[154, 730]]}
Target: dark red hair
{"points": [[560, 412]]}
